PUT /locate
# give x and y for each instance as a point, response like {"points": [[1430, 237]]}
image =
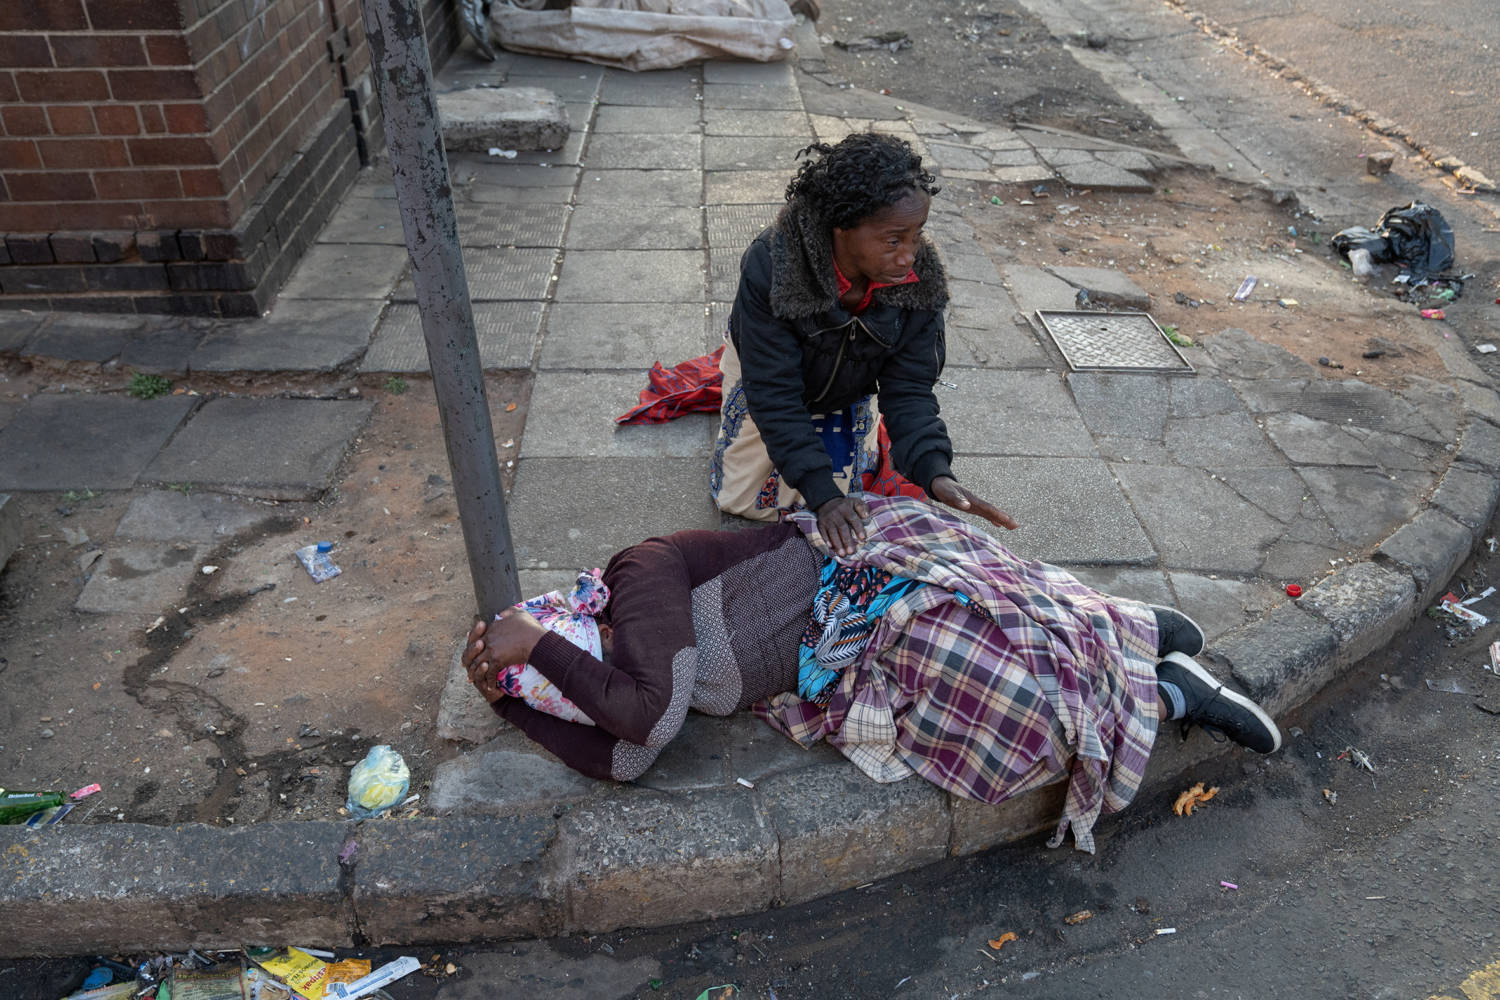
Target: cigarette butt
{"points": [[745, 782], [1165, 930]]}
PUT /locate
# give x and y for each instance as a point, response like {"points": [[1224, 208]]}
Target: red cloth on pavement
{"points": [[694, 386], [697, 386]]}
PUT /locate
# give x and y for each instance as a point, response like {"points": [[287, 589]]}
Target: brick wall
{"points": [[141, 136]]}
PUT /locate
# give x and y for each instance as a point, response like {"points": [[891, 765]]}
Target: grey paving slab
{"points": [[499, 778], [971, 267], [1183, 512], [79, 442], [654, 89], [519, 175], [644, 151], [570, 153], [499, 274], [524, 64], [1276, 491], [1105, 286], [299, 335], [282, 449], [1069, 509], [753, 750], [572, 414], [1240, 355], [16, 328], [84, 336], [990, 338], [631, 276], [722, 152], [749, 73], [1122, 405], [571, 88], [1097, 175], [623, 335], [1149, 586], [139, 578], [744, 187], [1012, 413], [976, 295], [1033, 289], [694, 760], [490, 224], [948, 156], [169, 515], [1481, 445], [848, 102], [718, 322], [555, 505], [734, 227], [1127, 159], [747, 121], [1319, 442], [641, 187], [1431, 417], [1202, 397], [632, 120], [346, 271], [636, 227], [1220, 439], [1363, 505], [499, 193], [773, 97], [164, 348], [506, 331], [1220, 604]]}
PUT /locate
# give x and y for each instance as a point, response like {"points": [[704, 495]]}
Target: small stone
{"points": [[47, 734], [1379, 163]]}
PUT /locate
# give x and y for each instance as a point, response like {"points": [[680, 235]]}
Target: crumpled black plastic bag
{"points": [[1417, 236]]}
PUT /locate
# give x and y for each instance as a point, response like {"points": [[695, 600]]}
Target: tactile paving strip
{"points": [[499, 275], [491, 224], [1114, 342], [506, 333], [732, 227]]}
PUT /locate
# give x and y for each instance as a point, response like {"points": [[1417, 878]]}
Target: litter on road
{"points": [[1193, 798]]}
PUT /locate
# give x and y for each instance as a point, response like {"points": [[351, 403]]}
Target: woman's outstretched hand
{"points": [[945, 489], [841, 522]]}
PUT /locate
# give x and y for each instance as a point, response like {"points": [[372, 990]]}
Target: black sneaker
{"points": [[1176, 632], [1216, 708]]}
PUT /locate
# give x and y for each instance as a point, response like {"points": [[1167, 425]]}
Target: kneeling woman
{"points": [[840, 303], [933, 651]]}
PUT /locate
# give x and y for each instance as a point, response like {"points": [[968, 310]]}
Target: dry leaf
{"points": [[509, 407], [1074, 919], [1331, 796], [1001, 941], [1192, 798]]}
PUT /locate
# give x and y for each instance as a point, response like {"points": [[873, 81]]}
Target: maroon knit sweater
{"points": [[708, 620]]}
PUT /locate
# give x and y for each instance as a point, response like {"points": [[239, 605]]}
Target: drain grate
{"points": [[1112, 342]]}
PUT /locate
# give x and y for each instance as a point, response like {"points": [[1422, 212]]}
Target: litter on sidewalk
{"points": [[241, 974]]}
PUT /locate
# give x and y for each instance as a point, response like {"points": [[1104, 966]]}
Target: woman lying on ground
{"points": [[839, 300], [932, 650]]}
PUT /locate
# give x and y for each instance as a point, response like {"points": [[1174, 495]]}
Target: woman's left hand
{"points": [[945, 489]]}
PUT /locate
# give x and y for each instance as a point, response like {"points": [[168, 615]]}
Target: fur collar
{"points": [[802, 279]]}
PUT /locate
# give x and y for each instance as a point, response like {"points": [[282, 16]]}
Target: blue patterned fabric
{"points": [[849, 603]]}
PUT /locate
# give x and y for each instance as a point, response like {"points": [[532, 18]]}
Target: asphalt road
{"points": [[1428, 65]]}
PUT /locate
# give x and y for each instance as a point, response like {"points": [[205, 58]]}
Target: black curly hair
{"points": [[847, 183]]}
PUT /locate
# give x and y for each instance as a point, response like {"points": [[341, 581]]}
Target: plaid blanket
{"points": [[1002, 676]]}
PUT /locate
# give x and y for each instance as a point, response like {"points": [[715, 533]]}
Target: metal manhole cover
{"points": [[1112, 342]]}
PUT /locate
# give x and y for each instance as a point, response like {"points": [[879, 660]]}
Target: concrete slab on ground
{"points": [[281, 449], [317, 335], [73, 442], [84, 337], [499, 274], [506, 332], [631, 276], [1096, 523], [551, 503], [139, 578], [510, 117], [202, 518], [346, 271], [10, 528], [987, 406], [623, 335], [572, 414], [636, 227]]}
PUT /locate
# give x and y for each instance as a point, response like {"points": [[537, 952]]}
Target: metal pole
{"points": [[403, 79]]}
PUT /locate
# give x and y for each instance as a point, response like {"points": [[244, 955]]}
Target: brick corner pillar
{"points": [[176, 156]]}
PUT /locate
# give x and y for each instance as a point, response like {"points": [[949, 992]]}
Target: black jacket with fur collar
{"points": [[803, 353]]}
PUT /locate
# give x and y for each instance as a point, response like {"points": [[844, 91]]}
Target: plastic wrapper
{"points": [[1415, 236], [377, 783]]}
